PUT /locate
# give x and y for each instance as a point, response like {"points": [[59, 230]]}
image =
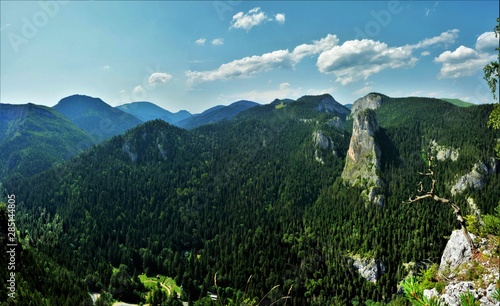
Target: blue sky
{"points": [[197, 54]]}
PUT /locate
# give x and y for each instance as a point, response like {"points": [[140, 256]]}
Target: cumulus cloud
{"points": [[487, 42], [352, 61], [284, 86], [218, 42], [138, 90], [465, 61], [158, 78], [356, 60], [247, 21], [200, 41], [253, 18], [280, 18], [248, 66], [445, 38]]}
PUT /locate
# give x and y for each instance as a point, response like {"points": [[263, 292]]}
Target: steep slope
{"points": [[95, 116], [216, 114], [363, 161], [26, 282], [34, 137], [147, 111]]}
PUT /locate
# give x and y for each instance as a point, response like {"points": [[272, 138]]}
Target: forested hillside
{"points": [[95, 116], [33, 138], [260, 196]]}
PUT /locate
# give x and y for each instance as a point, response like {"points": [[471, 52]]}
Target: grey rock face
{"points": [[363, 157], [370, 101], [456, 252], [475, 178], [336, 122], [369, 268], [330, 105], [322, 142], [443, 152]]}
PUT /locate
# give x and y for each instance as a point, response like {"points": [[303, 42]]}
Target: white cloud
{"points": [[487, 42], [106, 67], [138, 90], [200, 41], [253, 18], [158, 78], [284, 86], [462, 62], [218, 42], [248, 66], [280, 18], [365, 90], [247, 21], [465, 61], [318, 46], [445, 38], [356, 60], [425, 53]]}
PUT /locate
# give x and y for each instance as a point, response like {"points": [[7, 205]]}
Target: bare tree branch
{"points": [[423, 194]]}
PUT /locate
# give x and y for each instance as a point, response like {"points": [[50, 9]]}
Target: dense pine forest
{"points": [[239, 207]]}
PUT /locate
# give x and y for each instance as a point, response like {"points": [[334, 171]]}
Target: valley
{"points": [[258, 198]]}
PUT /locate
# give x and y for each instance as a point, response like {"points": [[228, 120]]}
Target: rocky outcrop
{"points": [[329, 105], [322, 143], [363, 157], [442, 152], [463, 273], [336, 122], [475, 178], [456, 253], [370, 101], [369, 268], [452, 292]]}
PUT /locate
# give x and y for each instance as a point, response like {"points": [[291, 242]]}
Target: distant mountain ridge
{"points": [[458, 102], [147, 111], [95, 116], [34, 137], [216, 114]]}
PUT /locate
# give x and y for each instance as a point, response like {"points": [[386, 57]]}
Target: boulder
{"points": [[456, 252]]}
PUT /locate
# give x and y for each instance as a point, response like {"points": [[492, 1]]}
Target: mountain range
{"points": [[263, 196], [147, 111]]}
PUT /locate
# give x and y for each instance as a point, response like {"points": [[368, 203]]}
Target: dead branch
{"points": [[423, 194]]}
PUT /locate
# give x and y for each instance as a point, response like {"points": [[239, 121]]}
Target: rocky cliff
{"points": [[329, 105], [322, 143], [475, 178], [363, 157], [370, 101]]}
